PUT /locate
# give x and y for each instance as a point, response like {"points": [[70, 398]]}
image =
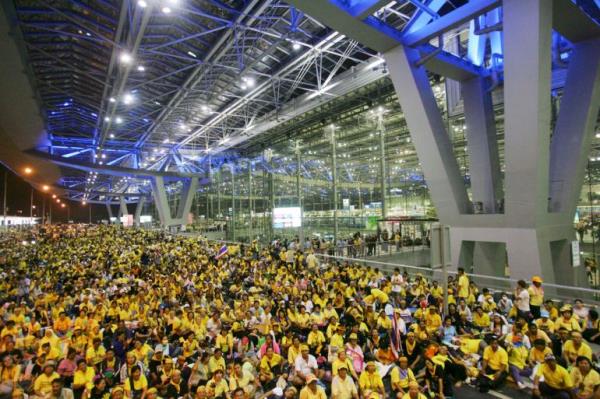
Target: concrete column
{"points": [[108, 210], [575, 125], [232, 169], [429, 135], [382, 165], [123, 207], [334, 183], [271, 199], [299, 193], [162, 205], [219, 192], [250, 208], [482, 144], [138, 211]]}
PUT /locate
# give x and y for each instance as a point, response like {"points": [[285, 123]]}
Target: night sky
{"points": [[18, 198]]}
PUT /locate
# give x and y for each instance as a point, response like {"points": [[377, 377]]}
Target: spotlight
{"points": [[126, 58]]}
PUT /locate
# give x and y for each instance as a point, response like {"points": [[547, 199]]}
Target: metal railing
{"points": [[558, 293]]}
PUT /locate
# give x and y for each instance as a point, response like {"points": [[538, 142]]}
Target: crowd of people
{"points": [[97, 312]]}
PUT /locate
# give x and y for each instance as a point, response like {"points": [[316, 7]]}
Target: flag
{"points": [[222, 252], [395, 336]]}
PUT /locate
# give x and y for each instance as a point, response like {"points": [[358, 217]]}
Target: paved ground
{"points": [[467, 392]]}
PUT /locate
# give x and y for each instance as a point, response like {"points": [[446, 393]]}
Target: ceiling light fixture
{"points": [[126, 58], [112, 99], [118, 119], [112, 136], [128, 99], [142, 4], [296, 46], [141, 68], [192, 54], [166, 10]]}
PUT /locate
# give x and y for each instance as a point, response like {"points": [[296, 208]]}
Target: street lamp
{"points": [[28, 170], [53, 196], [45, 187]]}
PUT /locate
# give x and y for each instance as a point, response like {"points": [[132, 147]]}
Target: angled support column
{"points": [[123, 207], [138, 211], [575, 125], [110, 212], [428, 133], [162, 204], [482, 144]]}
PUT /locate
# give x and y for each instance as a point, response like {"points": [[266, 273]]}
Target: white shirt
{"points": [[305, 366], [523, 301], [397, 282]]}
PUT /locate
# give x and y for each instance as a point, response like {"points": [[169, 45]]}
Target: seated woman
{"points": [[518, 356], [401, 377], [436, 383], [454, 368]]}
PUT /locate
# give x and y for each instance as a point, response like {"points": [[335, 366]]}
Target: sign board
{"points": [[145, 218], [575, 256], [287, 217], [346, 203]]}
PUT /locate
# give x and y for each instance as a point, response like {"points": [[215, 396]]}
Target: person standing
{"points": [[522, 300], [536, 296], [463, 284]]}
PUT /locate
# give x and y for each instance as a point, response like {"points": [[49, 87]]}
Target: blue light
{"points": [[66, 104]]}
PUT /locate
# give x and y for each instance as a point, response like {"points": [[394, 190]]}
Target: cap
{"points": [[537, 279], [152, 390], [158, 348], [353, 336], [566, 308], [549, 357], [303, 347], [311, 378], [544, 313], [371, 363]]}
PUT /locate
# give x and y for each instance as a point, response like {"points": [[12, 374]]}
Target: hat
{"points": [[371, 363], [310, 378], [353, 336], [117, 389], [544, 313], [549, 357], [303, 347], [158, 348], [152, 390], [343, 366], [168, 360], [536, 279], [566, 308], [49, 363]]}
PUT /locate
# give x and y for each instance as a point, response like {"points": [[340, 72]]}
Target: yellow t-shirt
{"points": [[43, 384], [572, 353], [85, 378], [585, 384], [337, 363], [570, 325], [402, 379], [536, 296], [370, 381], [557, 379], [306, 393], [518, 356], [497, 360], [463, 286], [220, 387], [138, 385]]}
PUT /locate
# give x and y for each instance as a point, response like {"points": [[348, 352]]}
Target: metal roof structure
{"points": [[177, 85]]}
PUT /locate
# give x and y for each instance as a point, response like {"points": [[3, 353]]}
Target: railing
{"points": [[497, 285]]}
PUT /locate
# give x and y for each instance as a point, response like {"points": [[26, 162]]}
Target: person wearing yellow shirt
{"points": [[575, 347], [218, 384], [216, 361], [62, 324], [311, 390], [136, 385], [557, 380], [567, 320], [463, 284], [518, 355], [51, 352], [225, 341], [544, 323], [383, 322], [371, 380], [342, 385], [10, 329], [316, 339], [433, 320], [536, 296], [401, 377], [83, 379], [414, 391], [337, 339], [42, 385], [586, 380], [481, 320], [494, 367], [270, 366], [342, 360], [94, 355]]}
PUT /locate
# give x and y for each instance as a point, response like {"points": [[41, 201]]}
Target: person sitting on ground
{"points": [[557, 383], [494, 367]]}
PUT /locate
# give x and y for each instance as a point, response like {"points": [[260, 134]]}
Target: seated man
{"points": [[494, 367], [575, 347], [557, 382]]}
